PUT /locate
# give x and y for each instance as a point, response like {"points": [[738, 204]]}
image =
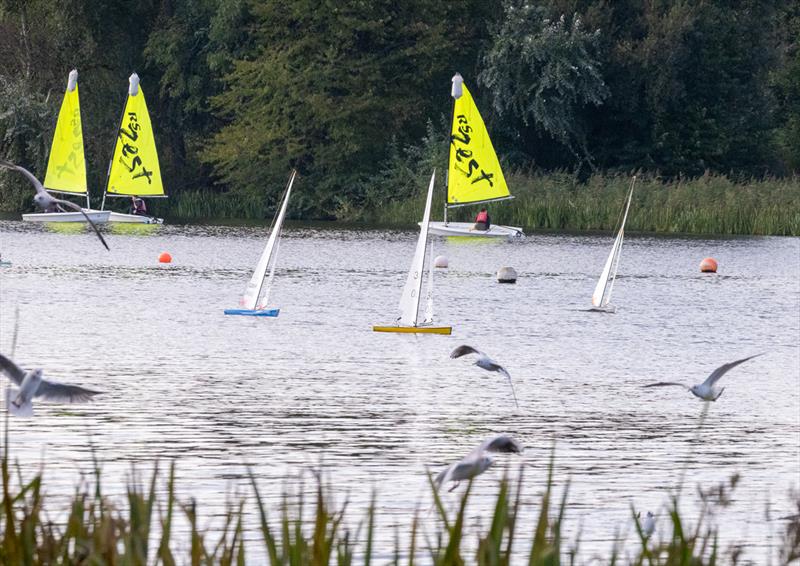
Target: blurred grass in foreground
{"points": [[98, 531]]}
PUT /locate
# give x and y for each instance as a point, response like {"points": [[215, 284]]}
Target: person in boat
{"points": [[482, 221], [138, 207]]}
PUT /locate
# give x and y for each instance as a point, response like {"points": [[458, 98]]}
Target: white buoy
{"points": [[506, 275], [440, 261]]}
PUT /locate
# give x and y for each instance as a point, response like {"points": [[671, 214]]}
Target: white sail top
{"points": [[409, 301], [250, 300], [602, 292]]}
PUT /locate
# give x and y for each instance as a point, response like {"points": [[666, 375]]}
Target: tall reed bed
{"points": [[99, 530], [712, 204]]}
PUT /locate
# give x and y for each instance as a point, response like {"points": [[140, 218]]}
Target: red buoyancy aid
{"points": [[483, 216]]}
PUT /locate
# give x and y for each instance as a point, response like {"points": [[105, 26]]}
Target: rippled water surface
{"points": [[317, 386]]}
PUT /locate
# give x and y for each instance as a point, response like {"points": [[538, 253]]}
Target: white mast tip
{"points": [[72, 81], [457, 90], [133, 89]]}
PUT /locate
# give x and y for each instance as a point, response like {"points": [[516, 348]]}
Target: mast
{"points": [[455, 92], [133, 88]]}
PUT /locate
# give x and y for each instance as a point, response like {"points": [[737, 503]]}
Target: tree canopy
{"points": [[243, 90]]}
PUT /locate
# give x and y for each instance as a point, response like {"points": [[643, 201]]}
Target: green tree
{"points": [[329, 87], [545, 73]]}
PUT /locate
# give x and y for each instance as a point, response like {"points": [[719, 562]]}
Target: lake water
{"points": [[316, 386]]}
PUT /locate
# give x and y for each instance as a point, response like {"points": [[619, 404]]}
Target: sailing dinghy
{"points": [[409, 301], [601, 298], [134, 170], [66, 164], [256, 295], [474, 175]]}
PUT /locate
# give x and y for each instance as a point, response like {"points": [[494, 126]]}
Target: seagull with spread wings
{"points": [[46, 201], [486, 363], [706, 390], [31, 384], [477, 461]]}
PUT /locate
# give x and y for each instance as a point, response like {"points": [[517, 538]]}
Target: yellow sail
{"points": [[474, 173], [66, 166], [134, 166]]}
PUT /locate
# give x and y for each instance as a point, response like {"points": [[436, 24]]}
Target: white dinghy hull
{"points": [[134, 218], [97, 216], [468, 229]]}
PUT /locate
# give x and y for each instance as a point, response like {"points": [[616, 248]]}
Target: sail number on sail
{"points": [[130, 149], [464, 155]]}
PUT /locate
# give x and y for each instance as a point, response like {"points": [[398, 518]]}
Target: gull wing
{"points": [[663, 383], [441, 477], [12, 370], [725, 368], [61, 392], [33, 180], [463, 350], [74, 206], [499, 443]]}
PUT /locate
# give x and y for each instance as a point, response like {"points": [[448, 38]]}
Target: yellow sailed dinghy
{"points": [[474, 175], [409, 301], [66, 165], [134, 170]]}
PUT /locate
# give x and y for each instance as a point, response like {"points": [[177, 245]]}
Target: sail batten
{"points": [[474, 173], [134, 169], [66, 165]]}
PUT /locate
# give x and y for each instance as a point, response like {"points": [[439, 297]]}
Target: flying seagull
{"points": [[486, 363], [477, 461], [45, 200], [31, 384], [706, 390]]}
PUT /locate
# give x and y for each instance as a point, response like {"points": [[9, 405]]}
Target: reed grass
{"points": [[712, 204], [98, 531]]}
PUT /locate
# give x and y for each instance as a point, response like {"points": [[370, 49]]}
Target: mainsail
{"points": [[66, 166], [409, 301], [602, 292], [134, 169], [474, 174], [250, 299]]}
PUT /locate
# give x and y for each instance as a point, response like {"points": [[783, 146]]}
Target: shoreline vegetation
{"points": [[97, 529], [710, 205]]}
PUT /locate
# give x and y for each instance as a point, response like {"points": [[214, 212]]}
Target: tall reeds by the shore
{"points": [[99, 530], [712, 204]]}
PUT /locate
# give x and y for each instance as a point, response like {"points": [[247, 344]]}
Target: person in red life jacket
{"points": [[138, 207], [482, 221]]}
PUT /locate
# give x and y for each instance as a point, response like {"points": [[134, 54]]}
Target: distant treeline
{"points": [[356, 95]]}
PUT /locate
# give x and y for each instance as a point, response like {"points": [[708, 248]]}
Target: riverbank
{"points": [[708, 205]]}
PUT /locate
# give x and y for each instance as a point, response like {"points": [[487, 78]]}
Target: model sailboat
{"points": [[134, 170], [409, 301], [66, 165], [474, 175], [601, 298], [256, 296]]}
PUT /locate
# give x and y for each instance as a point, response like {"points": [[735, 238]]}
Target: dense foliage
{"points": [[347, 91]]}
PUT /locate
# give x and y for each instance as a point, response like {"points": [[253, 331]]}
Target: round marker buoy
{"points": [[708, 265], [164, 258], [440, 261], [506, 275]]}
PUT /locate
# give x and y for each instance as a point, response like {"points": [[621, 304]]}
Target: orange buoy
{"points": [[708, 265], [164, 257]]}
